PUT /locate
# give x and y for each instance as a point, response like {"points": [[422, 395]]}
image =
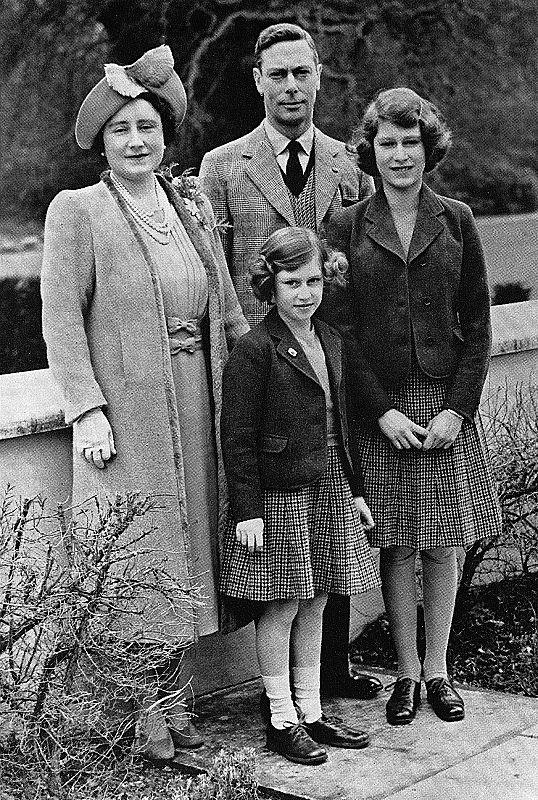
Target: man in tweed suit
{"points": [[248, 180], [286, 172]]}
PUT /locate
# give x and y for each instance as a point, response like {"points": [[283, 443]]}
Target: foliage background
{"points": [[475, 58]]}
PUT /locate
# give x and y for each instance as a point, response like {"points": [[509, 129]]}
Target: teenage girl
{"points": [[295, 488]]}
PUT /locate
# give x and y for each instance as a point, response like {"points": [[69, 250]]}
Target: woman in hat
{"points": [[417, 302], [138, 315]]}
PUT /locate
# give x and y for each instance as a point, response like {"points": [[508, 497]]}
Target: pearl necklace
{"points": [[148, 220]]}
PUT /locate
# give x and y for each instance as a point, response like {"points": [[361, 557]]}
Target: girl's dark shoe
{"points": [[445, 700], [334, 732], [404, 700], [295, 744], [357, 685]]}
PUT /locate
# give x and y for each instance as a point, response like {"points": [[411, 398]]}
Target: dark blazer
{"points": [[273, 424], [436, 301]]}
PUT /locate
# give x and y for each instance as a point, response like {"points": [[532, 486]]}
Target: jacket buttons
{"points": [[427, 301], [429, 340]]}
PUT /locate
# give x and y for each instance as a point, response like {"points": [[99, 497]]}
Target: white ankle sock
{"points": [[283, 711], [306, 688]]}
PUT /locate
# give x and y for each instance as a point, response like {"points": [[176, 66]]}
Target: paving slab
{"points": [[399, 759], [508, 771]]}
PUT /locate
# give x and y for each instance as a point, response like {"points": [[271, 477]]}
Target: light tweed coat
{"points": [[245, 186], [107, 344]]}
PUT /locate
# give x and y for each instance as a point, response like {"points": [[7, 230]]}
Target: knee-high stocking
{"points": [[398, 581], [440, 582]]}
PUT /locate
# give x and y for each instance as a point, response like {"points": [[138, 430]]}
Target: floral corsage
{"points": [[188, 186]]}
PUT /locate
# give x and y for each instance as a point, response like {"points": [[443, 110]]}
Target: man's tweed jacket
{"points": [[250, 199]]}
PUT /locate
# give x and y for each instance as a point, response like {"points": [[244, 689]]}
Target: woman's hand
{"points": [[93, 438], [364, 512], [442, 431], [250, 534], [401, 430]]}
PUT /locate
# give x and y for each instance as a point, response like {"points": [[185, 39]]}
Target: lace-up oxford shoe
{"points": [[402, 706], [295, 744], [445, 700], [334, 732]]}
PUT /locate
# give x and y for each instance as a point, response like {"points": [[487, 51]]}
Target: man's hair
{"points": [[282, 32]]}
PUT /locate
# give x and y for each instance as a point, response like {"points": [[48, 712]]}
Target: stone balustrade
{"points": [[35, 458]]}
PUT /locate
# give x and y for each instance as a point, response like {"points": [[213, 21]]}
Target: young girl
{"points": [[295, 489]]}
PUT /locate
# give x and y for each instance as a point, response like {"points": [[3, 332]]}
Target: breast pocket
{"points": [[274, 444]]}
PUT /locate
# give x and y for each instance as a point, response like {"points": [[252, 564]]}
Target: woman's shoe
{"points": [[152, 737], [334, 732], [186, 736], [445, 700], [402, 706], [295, 744], [178, 715]]}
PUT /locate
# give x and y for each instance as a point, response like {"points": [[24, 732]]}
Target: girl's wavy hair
{"points": [[290, 249], [405, 108]]}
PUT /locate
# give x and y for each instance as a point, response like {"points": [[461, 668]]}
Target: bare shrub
{"points": [[73, 669]]}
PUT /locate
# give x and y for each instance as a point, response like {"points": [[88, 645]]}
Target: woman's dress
{"points": [[184, 288]]}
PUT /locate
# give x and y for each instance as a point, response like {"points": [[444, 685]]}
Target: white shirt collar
{"points": [[279, 142]]}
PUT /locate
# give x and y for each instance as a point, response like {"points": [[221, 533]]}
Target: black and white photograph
{"points": [[268, 400]]}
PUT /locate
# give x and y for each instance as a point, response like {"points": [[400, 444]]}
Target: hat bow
{"points": [[150, 71]]}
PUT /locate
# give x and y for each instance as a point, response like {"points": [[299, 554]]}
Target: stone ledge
{"points": [[31, 402], [515, 327]]}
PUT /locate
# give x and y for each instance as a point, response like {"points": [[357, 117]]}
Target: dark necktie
{"points": [[294, 171]]}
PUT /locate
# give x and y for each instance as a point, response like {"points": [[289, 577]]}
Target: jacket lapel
{"points": [[380, 225], [326, 174], [287, 346], [264, 172], [428, 226]]}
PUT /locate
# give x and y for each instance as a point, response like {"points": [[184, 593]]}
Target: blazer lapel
{"points": [[428, 226], [381, 226], [265, 173], [326, 175], [288, 347]]}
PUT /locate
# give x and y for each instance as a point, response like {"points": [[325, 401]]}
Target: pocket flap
{"points": [[274, 444]]}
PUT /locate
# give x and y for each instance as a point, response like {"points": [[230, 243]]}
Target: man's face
{"points": [[288, 80]]}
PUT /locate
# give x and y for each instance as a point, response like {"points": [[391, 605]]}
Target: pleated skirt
{"points": [[431, 498], [314, 542]]}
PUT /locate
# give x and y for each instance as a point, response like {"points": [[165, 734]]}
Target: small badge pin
{"points": [[292, 352]]}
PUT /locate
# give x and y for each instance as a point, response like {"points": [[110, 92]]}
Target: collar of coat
{"points": [[380, 225], [263, 170], [289, 348]]}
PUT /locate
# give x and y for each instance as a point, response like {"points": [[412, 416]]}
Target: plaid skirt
{"points": [[314, 542], [431, 498]]}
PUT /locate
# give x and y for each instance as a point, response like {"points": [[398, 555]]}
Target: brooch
{"points": [[292, 352]]}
